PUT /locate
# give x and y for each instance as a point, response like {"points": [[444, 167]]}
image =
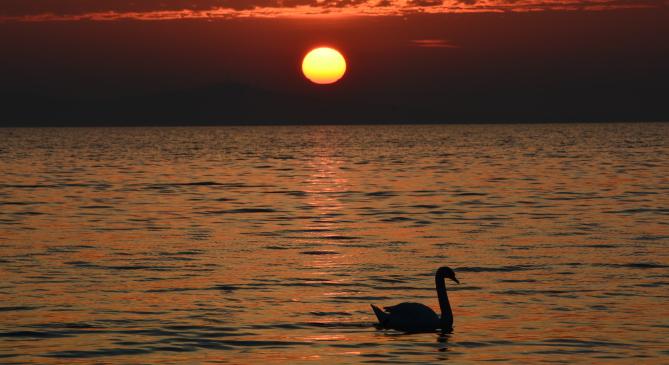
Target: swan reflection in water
{"points": [[417, 317]]}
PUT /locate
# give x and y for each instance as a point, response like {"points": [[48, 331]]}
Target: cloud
{"points": [[78, 7], [433, 43], [422, 3], [170, 9]]}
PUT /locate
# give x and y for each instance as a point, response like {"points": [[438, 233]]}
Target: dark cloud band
{"points": [[77, 9]]}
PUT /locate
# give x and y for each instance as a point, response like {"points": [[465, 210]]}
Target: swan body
{"points": [[408, 317], [417, 317]]}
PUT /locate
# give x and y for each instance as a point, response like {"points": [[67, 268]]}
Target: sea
{"points": [[267, 244]]}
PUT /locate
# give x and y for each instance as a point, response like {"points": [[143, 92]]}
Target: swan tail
{"points": [[380, 315]]}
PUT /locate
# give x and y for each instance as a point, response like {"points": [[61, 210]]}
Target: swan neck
{"points": [[444, 304]]}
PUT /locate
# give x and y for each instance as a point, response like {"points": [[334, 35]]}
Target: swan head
{"points": [[447, 272]]}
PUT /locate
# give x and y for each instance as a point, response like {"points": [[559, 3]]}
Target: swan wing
{"points": [[411, 317], [411, 309]]}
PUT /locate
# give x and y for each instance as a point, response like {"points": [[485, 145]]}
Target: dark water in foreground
{"points": [[267, 244]]}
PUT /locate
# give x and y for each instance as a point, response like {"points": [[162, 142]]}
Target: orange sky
{"points": [[36, 10], [549, 65]]}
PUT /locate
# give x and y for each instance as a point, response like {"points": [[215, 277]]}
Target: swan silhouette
{"points": [[416, 317]]}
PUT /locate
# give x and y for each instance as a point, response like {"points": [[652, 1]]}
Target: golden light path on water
{"points": [[267, 244]]}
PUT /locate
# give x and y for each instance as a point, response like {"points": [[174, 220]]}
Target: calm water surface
{"points": [[267, 244]]}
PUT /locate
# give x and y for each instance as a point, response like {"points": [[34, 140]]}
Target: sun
{"points": [[324, 65]]}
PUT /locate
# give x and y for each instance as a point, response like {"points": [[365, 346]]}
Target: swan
{"points": [[416, 317]]}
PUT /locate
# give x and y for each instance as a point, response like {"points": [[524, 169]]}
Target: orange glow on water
{"points": [[257, 259]]}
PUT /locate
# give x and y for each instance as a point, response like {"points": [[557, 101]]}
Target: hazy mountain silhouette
{"points": [[235, 103]]}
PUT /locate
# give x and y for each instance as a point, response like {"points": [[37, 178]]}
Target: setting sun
{"points": [[324, 65]]}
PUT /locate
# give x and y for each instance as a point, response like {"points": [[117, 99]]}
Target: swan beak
{"points": [[456, 280]]}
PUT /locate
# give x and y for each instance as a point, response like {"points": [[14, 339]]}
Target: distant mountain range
{"points": [[232, 103]]}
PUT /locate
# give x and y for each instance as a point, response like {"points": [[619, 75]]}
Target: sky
{"points": [[110, 62]]}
